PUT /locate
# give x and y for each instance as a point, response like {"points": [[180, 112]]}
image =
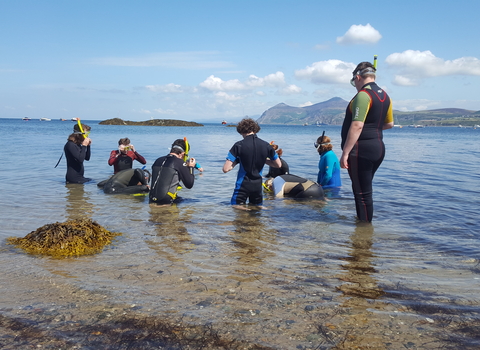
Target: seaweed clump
{"points": [[70, 238]]}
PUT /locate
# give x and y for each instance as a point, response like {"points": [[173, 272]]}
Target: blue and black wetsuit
{"points": [[373, 107], [167, 172], [251, 153]]}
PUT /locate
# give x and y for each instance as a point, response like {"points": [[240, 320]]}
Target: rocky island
{"points": [[151, 122]]}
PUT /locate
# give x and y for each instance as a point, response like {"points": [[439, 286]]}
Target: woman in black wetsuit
{"points": [[77, 149]]}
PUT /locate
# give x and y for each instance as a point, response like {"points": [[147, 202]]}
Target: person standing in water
{"points": [[367, 115], [252, 153], [329, 165], [77, 150]]}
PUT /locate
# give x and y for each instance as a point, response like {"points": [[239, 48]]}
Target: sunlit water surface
{"points": [[263, 273]]}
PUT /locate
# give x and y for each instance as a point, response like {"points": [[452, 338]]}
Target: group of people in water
{"points": [[367, 115]]}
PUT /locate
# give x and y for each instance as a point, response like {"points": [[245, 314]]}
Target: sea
{"points": [[295, 274]]}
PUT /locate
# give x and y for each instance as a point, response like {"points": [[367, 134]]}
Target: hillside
{"points": [[332, 112], [328, 112], [152, 122]]}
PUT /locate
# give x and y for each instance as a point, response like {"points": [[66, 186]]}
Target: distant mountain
{"points": [[332, 112], [328, 112]]}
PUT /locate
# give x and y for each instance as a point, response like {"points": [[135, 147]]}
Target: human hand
{"points": [[344, 161], [191, 162], [132, 148], [86, 141]]}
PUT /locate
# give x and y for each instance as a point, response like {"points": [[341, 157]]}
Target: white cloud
{"points": [[181, 60], [164, 111], [308, 103], [227, 97], [214, 83], [321, 47], [415, 65], [290, 90], [327, 72], [168, 88], [360, 34]]}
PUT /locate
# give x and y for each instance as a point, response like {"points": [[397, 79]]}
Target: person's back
{"points": [[329, 165], [252, 153], [167, 173]]}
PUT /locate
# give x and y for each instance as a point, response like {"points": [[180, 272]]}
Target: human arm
{"points": [[185, 172], [229, 165], [277, 163], [77, 152], [113, 157], [352, 137], [388, 123]]}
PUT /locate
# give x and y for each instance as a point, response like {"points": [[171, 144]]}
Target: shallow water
{"points": [[294, 275]]}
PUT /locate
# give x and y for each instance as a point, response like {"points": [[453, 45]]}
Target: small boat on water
{"points": [[26, 118], [63, 119], [74, 119], [45, 119], [224, 122]]}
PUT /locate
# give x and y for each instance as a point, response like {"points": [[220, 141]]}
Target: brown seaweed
{"points": [[70, 238]]}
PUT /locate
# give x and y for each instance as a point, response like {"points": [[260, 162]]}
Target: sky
{"points": [[209, 60]]}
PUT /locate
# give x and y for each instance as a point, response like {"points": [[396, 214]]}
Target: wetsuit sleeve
{"points": [[87, 155], [78, 153], [139, 158], [113, 158], [186, 174], [360, 106], [389, 116]]}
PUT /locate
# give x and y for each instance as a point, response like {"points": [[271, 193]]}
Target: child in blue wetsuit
{"points": [[329, 165], [252, 154]]}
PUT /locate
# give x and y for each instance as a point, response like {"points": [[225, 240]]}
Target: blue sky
{"points": [[207, 60]]}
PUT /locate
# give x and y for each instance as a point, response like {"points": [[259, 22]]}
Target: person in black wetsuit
{"points": [[252, 154], [168, 171], [367, 115], [284, 169], [128, 181], [77, 149]]}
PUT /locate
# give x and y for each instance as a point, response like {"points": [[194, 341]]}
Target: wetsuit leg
{"points": [[363, 162], [248, 189]]}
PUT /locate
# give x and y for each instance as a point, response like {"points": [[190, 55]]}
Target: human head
{"points": [[364, 70], [76, 138], [275, 147], [124, 141], [85, 127], [178, 146], [247, 126], [323, 144]]}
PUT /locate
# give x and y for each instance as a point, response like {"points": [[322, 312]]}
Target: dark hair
{"points": [[76, 138], [125, 141], [178, 143], [247, 125], [364, 65], [85, 128]]}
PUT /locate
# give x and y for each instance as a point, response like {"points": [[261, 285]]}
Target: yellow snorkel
{"points": [[187, 148], [375, 61], [81, 128]]}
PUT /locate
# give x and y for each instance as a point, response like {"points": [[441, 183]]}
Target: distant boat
{"points": [[397, 126], [74, 119], [321, 124], [45, 119], [224, 122], [305, 124], [476, 126], [63, 120], [26, 118]]}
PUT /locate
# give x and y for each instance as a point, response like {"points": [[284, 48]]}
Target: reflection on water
{"points": [[359, 271], [77, 202], [172, 239], [251, 238]]}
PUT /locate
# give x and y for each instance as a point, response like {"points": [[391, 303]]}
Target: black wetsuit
{"points": [[126, 182], [274, 172], [251, 153], [372, 106], [167, 172], [75, 155], [296, 187]]}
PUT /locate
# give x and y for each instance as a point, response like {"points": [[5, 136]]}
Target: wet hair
{"points": [[85, 128], [247, 125], [365, 69], [178, 146], [124, 141], [76, 138], [325, 146], [278, 150]]}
